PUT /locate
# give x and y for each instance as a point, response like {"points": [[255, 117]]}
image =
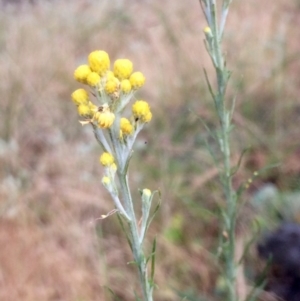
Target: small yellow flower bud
{"points": [[111, 86], [123, 68], [99, 61], [109, 75], [125, 86], [84, 111], [207, 30], [137, 80], [147, 192], [106, 181], [126, 126], [106, 159], [80, 96], [93, 79], [146, 196], [81, 73], [141, 111], [105, 119]]}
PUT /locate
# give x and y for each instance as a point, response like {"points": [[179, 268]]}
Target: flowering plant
{"points": [[113, 90]]}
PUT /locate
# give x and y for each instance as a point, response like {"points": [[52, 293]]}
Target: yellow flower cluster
{"points": [[113, 89], [97, 74], [85, 107], [91, 74]]}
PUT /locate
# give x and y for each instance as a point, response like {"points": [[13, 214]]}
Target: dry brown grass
{"points": [[50, 192]]}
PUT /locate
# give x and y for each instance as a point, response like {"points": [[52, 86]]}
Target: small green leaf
{"points": [[153, 262], [156, 208], [209, 85], [240, 161]]}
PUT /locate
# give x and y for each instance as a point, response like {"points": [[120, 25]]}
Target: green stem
{"points": [[137, 249], [230, 221], [229, 193]]}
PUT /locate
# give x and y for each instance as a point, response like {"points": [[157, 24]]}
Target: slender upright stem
{"points": [[214, 47], [230, 219], [137, 248]]}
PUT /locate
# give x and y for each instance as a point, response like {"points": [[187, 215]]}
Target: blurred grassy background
{"points": [[50, 191]]}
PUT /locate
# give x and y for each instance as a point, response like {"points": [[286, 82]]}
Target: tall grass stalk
{"points": [[214, 36]]}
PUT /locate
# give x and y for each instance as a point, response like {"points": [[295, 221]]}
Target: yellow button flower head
{"points": [[81, 73], [99, 61], [93, 79], [125, 86], [104, 119], [141, 111], [106, 159], [123, 68], [111, 85], [137, 80], [126, 126], [85, 111], [80, 96]]}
